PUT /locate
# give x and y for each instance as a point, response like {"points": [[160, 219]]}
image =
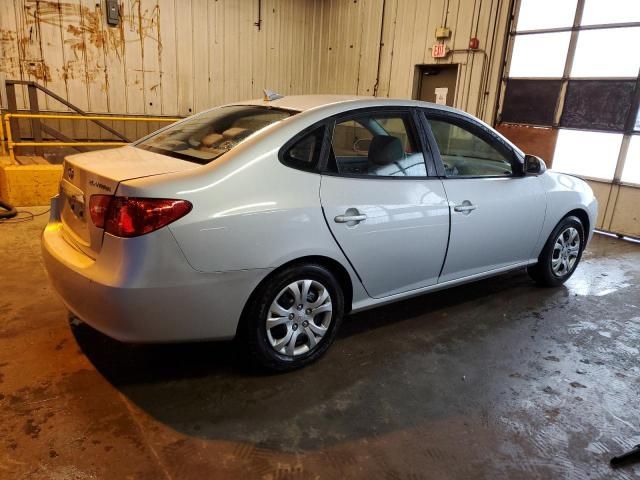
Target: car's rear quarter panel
{"points": [[153, 295]]}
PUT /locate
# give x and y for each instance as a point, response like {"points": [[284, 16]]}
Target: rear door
{"points": [[496, 212], [389, 216]]}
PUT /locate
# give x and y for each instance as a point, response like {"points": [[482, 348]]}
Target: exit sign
{"points": [[439, 50]]}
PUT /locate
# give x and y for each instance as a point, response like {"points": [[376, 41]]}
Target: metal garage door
{"points": [[571, 94]]}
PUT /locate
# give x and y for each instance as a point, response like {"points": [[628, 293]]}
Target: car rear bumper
{"points": [[143, 290]]}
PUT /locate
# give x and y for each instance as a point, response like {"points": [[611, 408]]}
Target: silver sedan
{"points": [[269, 220]]}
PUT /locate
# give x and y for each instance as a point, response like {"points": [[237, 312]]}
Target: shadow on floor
{"points": [[123, 363], [207, 390]]}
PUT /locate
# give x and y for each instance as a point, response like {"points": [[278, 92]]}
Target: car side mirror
{"points": [[534, 165]]}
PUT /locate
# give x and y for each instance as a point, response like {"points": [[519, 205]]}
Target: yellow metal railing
{"points": [[6, 136], [3, 151]]}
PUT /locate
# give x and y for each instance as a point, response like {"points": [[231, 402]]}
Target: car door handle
{"points": [[350, 218], [464, 208]]}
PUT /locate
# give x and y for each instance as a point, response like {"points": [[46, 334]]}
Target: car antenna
{"points": [[270, 95]]}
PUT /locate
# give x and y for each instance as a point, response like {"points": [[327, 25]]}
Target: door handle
{"points": [[350, 218], [466, 207]]}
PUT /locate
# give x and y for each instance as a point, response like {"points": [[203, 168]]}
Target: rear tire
{"points": [[561, 253], [292, 318]]}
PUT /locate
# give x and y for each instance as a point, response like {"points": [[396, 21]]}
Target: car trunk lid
{"points": [[100, 173]]}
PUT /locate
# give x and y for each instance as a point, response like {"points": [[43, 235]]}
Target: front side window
{"points": [[382, 145], [205, 137], [466, 154]]}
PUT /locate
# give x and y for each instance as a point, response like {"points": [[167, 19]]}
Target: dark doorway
{"points": [[437, 83]]}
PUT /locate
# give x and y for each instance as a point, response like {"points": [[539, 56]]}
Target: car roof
{"points": [[303, 103], [317, 105]]}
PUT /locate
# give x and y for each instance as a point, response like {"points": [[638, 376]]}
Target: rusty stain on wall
{"points": [[37, 69], [10, 64], [91, 48], [84, 23]]}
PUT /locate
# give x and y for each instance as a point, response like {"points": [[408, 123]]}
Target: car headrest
{"points": [[235, 132], [210, 139], [385, 149]]}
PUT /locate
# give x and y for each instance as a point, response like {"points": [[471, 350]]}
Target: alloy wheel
{"points": [[565, 252]]}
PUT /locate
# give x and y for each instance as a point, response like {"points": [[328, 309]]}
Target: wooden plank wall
{"points": [[177, 57]]}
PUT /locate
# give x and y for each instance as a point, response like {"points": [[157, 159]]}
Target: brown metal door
{"points": [[438, 84]]}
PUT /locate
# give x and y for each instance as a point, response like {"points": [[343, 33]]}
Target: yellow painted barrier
{"points": [[29, 185], [11, 144], [3, 152], [12, 157]]}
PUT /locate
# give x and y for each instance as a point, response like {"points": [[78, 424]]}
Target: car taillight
{"points": [[131, 217], [98, 206]]}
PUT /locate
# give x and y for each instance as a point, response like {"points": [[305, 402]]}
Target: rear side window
{"points": [[382, 145], [205, 137], [304, 153]]}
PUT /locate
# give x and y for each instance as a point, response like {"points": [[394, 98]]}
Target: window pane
{"points": [[592, 154], [376, 145], [597, 104], [351, 139], [610, 11], [538, 14], [607, 53], [464, 154], [530, 101], [305, 152], [204, 137], [631, 172], [539, 55]]}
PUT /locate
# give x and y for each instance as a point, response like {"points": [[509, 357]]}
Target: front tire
{"points": [[293, 317], [561, 253]]}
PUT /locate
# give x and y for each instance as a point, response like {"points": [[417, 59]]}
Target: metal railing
{"points": [[11, 144], [3, 150], [10, 134]]}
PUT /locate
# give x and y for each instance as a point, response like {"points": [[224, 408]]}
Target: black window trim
{"points": [[417, 130], [475, 128]]}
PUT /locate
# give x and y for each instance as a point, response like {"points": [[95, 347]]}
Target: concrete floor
{"points": [[499, 379]]}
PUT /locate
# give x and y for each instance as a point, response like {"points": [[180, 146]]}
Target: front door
{"points": [[496, 213], [389, 217]]}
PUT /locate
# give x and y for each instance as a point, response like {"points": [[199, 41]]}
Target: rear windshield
{"points": [[205, 137]]}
